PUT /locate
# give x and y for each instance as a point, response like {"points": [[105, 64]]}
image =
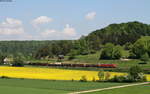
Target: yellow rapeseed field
{"points": [[50, 73]]}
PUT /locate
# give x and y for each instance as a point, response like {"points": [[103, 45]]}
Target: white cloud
{"points": [[10, 22], [48, 32], [90, 15], [41, 20], [11, 27], [10, 31], [67, 33]]}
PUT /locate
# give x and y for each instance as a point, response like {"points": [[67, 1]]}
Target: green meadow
{"points": [[27, 86]]}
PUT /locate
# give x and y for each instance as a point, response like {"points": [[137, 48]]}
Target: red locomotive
{"points": [[107, 65]]}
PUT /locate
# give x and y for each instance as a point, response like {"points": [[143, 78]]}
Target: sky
{"points": [[66, 19]]}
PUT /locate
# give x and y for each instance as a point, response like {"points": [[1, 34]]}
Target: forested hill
{"points": [[114, 33], [25, 47], [120, 33], [30, 48]]}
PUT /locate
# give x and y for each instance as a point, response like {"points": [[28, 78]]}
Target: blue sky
{"points": [[66, 19]]}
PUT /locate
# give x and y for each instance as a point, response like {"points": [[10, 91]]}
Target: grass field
{"points": [[26, 86], [94, 58], [141, 89]]}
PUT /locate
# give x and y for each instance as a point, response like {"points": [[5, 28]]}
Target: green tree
{"points": [[94, 41], [44, 52], [2, 57], [72, 54], [110, 51], [107, 76], [128, 46], [145, 58], [101, 75], [83, 79], [18, 61], [140, 47], [81, 46], [136, 74]]}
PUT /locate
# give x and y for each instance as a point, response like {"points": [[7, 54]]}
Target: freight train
{"points": [[74, 65]]}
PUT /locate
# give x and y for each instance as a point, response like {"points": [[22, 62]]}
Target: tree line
{"points": [[111, 40]]}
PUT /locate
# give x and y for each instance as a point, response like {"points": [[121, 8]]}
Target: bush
{"points": [[72, 54], [107, 76], [92, 51], [71, 57], [72, 80], [101, 75], [2, 57], [94, 80], [84, 52], [144, 79], [135, 72], [135, 75], [5, 77], [118, 79], [145, 58], [141, 78], [18, 62], [83, 79], [59, 60]]}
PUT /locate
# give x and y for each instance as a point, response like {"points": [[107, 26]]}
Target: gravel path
{"points": [[87, 91]]}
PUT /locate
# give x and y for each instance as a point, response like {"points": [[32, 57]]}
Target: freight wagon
{"points": [[74, 65]]}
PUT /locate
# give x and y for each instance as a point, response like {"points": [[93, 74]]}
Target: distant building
{"points": [[60, 57], [7, 60]]}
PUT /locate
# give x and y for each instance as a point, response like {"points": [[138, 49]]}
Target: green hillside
{"points": [[119, 33]]}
